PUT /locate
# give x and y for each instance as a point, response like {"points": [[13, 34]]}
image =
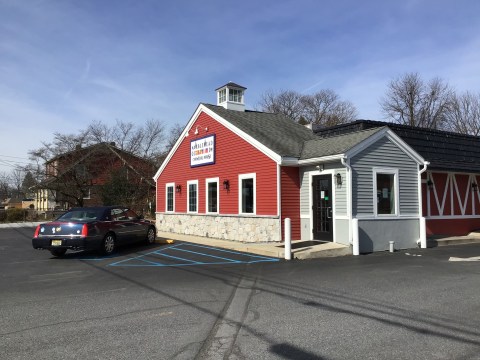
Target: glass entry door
{"points": [[322, 208]]}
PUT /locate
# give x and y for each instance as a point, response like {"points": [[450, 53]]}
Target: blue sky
{"points": [[64, 64]]}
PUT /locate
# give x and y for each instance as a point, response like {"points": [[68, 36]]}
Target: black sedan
{"points": [[93, 228]]}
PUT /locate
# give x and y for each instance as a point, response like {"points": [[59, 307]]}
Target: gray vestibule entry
{"points": [[375, 194]]}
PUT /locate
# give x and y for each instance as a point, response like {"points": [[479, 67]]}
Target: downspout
{"points": [[346, 163], [279, 199], [422, 241]]}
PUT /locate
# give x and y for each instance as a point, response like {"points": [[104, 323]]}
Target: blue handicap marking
{"points": [[191, 254]]}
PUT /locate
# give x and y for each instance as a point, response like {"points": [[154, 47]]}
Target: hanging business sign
{"points": [[202, 151]]}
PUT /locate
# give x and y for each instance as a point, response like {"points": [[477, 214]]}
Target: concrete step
{"points": [[472, 238]]}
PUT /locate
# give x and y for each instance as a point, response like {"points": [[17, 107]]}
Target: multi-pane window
{"points": [[192, 196], [235, 95], [247, 193], [386, 198], [170, 197], [212, 195], [222, 95], [87, 194]]}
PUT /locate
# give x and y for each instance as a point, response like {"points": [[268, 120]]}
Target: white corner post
{"points": [[288, 239], [355, 238], [423, 233], [422, 241]]}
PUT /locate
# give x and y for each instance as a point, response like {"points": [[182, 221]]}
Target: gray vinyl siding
{"points": [[305, 190], [383, 153], [341, 193]]}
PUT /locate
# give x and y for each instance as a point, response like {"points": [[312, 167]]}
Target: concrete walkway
{"points": [[300, 249], [473, 237]]}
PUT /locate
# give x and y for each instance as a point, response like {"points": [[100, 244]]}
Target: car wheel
{"points": [[108, 244], [151, 236], [58, 252]]}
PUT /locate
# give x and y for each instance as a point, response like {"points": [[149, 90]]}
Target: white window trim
{"points": [[243, 177], [387, 171], [208, 181], [167, 185], [190, 182], [222, 96], [89, 196]]}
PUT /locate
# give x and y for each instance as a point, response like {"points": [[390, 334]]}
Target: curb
{"points": [[20, 225]]}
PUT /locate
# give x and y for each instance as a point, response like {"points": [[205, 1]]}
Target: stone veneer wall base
{"points": [[236, 228]]}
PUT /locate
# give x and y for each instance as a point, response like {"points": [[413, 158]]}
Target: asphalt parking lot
{"points": [[185, 301], [180, 254]]}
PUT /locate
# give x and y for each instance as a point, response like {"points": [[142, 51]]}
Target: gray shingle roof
{"points": [[232, 84], [276, 131], [444, 150], [334, 145]]}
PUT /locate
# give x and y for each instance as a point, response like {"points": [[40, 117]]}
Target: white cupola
{"points": [[230, 96]]}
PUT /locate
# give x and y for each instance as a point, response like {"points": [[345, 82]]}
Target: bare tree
{"points": [[411, 101], [173, 136], [100, 132], [464, 114], [72, 183], [16, 180], [343, 112], [323, 108], [319, 106], [285, 102], [153, 139], [4, 185]]}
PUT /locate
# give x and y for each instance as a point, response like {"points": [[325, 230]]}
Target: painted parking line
{"points": [[474, 258], [183, 255]]}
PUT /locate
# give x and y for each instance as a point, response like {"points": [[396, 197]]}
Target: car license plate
{"points": [[56, 242]]}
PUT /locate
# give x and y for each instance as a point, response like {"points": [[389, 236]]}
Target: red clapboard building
{"points": [[223, 177]]}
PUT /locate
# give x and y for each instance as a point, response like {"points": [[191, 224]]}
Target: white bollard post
{"points": [[392, 243], [288, 239], [423, 233], [355, 239]]}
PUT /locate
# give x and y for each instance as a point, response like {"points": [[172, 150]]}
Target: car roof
{"points": [[98, 207]]}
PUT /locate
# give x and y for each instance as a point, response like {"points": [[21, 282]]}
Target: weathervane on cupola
{"points": [[230, 96]]}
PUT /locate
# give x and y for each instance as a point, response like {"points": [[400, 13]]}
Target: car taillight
{"points": [[37, 230], [84, 230]]}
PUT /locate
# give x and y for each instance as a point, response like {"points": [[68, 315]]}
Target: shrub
{"points": [[16, 215]]}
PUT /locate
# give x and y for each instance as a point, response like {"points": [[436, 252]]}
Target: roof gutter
{"points": [[316, 161], [288, 161]]}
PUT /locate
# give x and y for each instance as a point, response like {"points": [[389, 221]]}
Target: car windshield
{"points": [[82, 214]]}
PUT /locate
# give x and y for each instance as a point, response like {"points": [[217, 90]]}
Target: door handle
{"points": [[329, 213]]}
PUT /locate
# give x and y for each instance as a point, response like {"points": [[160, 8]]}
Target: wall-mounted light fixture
{"points": [[430, 184], [338, 178], [226, 184], [178, 188], [474, 186], [197, 130], [319, 167]]}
